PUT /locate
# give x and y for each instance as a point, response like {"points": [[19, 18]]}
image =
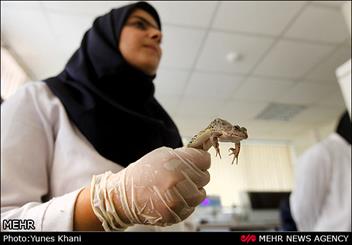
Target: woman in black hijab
{"points": [[96, 117], [117, 112], [108, 92]]}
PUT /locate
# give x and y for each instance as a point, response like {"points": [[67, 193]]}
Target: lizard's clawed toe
{"points": [[235, 155], [218, 153]]}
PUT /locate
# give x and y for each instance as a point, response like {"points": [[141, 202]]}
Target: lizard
{"points": [[223, 131]]}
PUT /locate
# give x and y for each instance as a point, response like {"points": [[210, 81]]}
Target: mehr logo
{"points": [[18, 224], [248, 238]]}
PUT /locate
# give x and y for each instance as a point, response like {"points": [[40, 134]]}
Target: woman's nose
{"points": [[156, 35]]}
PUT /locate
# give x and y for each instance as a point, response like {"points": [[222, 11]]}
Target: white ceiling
{"points": [[290, 51]]}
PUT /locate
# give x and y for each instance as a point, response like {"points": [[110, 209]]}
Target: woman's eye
{"points": [[141, 25]]}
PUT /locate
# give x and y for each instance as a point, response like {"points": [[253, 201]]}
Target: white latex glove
{"points": [[162, 188]]}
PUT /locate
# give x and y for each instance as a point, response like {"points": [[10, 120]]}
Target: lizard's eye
{"points": [[237, 127]]}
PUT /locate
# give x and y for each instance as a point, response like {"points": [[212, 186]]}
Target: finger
{"points": [[190, 192], [196, 200], [199, 180], [175, 201], [198, 158], [189, 167]]}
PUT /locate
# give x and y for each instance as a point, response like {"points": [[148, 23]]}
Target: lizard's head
{"points": [[240, 132]]}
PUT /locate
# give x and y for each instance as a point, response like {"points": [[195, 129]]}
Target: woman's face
{"points": [[140, 42]]}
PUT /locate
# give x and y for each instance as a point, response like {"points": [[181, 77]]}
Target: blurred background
{"points": [[269, 66]]}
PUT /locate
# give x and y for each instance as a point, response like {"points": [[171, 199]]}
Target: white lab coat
{"points": [[45, 160], [321, 197]]}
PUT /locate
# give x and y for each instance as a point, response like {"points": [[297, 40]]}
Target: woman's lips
{"points": [[155, 49]]}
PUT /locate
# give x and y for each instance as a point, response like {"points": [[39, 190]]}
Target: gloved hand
{"points": [[162, 188]]}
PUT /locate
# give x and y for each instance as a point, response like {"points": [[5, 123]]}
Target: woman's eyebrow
{"points": [[145, 20]]}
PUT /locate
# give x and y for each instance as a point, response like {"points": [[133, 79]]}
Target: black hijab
{"points": [[109, 101], [344, 127]]}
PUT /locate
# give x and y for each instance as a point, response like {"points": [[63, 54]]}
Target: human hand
{"points": [[161, 188]]}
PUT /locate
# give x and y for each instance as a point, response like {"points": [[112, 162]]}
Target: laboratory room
{"points": [[182, 116]]}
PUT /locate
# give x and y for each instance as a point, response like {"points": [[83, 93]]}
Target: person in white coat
{"points": [[321, 197], [91, 148]]}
